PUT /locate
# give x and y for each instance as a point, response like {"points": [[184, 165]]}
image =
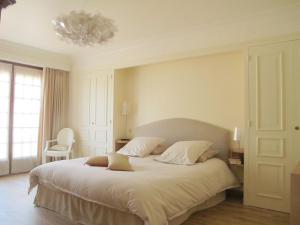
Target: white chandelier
{"points": [[84, 29]]}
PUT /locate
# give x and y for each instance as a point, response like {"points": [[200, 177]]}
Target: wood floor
{"points": [[16, 208]]}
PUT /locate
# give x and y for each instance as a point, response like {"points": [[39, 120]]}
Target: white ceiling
{"points": [[145, 23]]}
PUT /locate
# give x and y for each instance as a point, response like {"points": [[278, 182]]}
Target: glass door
{"points": [[20, 99], [26, 115], [5, 83]]}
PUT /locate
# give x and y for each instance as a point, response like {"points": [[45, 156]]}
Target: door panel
{"points": [[84, 100], [26, 116], [272, 104], [269, 73], [101, 100], [5, 83]]}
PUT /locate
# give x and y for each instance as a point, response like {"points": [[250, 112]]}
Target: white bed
{"points": [[153, 194]]}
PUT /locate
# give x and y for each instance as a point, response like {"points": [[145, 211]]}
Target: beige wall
{"points": [[209, 88]]}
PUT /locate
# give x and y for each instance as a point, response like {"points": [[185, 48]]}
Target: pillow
{"points": [[101, 161], [159, 150], [119, 162], [208, 154], [141, 146], [184, 152]]}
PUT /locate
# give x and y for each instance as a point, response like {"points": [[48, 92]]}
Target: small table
{"points": [[238, 171]]}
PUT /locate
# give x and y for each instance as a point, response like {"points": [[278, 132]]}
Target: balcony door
{"points": [[20, 96]]}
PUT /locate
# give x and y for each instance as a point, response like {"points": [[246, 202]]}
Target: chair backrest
{"points": [[65, 136]]}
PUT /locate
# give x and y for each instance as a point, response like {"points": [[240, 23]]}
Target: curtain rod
{"points": [[21, 64]]}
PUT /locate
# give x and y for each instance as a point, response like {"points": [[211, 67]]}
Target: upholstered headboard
{"points": [[179, 129]]}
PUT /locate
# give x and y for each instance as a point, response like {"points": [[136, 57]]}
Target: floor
{"points": [[16, 208]]}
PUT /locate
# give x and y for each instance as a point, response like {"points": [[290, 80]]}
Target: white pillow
{"points": [[184, 152], [141, 146]]}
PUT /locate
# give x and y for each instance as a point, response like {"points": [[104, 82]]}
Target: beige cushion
{"points": [[159, 150], [59, 148], [184, 152], [210, 153], [101, 161], [141, 146], [119, 162]]}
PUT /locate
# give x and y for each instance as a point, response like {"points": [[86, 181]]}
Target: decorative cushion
{"points": [[159, 150], [119, 162], [101, 161], [208, 154], [141, 146], [184, 152]]}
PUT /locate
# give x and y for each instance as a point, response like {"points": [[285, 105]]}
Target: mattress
{"points": [[154, 192]]}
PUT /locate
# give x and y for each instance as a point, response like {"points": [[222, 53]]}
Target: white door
{"points": [[84, 139], [94, 112], [273, 136]]}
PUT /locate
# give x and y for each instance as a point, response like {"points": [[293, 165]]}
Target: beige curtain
{"points": [[54, 107]]}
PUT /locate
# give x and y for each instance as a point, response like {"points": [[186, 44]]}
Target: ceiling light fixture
{"points": [[5, 3], [84, 29]]}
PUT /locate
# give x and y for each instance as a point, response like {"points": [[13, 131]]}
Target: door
{"points": [[25, 118], [20, 92], [273, 136], [95, 112]]}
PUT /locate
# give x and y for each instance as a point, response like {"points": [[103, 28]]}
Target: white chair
{"points": [[63, 147]]}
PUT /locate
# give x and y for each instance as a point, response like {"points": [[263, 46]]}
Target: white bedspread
{"points": [[156, 192]]}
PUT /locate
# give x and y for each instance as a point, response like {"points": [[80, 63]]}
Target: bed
{"points": [[154, 193]]}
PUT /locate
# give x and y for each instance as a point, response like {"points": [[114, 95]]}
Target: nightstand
{"points": [[238, 171], [120, 143]]}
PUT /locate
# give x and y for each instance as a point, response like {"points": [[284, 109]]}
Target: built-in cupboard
{"points": [[94, 112]]}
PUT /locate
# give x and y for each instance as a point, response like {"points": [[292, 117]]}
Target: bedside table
{"points": [[238, 171], [120, 143]]}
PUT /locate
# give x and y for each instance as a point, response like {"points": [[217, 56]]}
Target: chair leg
{"points": [[67, 156], [44, 159]]}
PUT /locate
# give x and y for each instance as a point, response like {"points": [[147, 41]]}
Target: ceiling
{"points": [[142, 23]]}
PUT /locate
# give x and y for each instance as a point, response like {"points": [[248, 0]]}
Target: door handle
{"points": [[297, 127]]}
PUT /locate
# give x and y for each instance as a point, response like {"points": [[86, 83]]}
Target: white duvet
{"points": [[154, 191]]}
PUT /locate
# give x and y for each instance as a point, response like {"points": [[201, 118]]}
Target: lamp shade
{"points": [[125, 109], [237, 134]]}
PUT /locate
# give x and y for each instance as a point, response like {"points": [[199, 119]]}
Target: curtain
{"points": [[54, 107]]}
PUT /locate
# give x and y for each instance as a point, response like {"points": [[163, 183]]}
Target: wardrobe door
{"points": [[101, 120], [296, 100], [84, 119], [272, 149]]}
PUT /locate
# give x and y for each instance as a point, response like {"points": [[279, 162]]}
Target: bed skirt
{"points": [[90, 213]]}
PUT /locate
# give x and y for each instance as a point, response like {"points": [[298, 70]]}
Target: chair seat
{"points": [[57, 153], [58, 148]]}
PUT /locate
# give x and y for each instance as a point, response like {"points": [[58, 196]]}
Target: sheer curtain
{"points": [[54, 110], [5, 82]]}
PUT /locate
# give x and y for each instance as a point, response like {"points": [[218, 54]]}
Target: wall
{"points": [[208, 88], [33, 56]]}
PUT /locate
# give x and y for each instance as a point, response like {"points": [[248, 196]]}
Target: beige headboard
{"points": [[179, 129]]}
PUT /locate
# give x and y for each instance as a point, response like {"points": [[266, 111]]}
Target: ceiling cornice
{"points": [[271, 23], [34, 56]]}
